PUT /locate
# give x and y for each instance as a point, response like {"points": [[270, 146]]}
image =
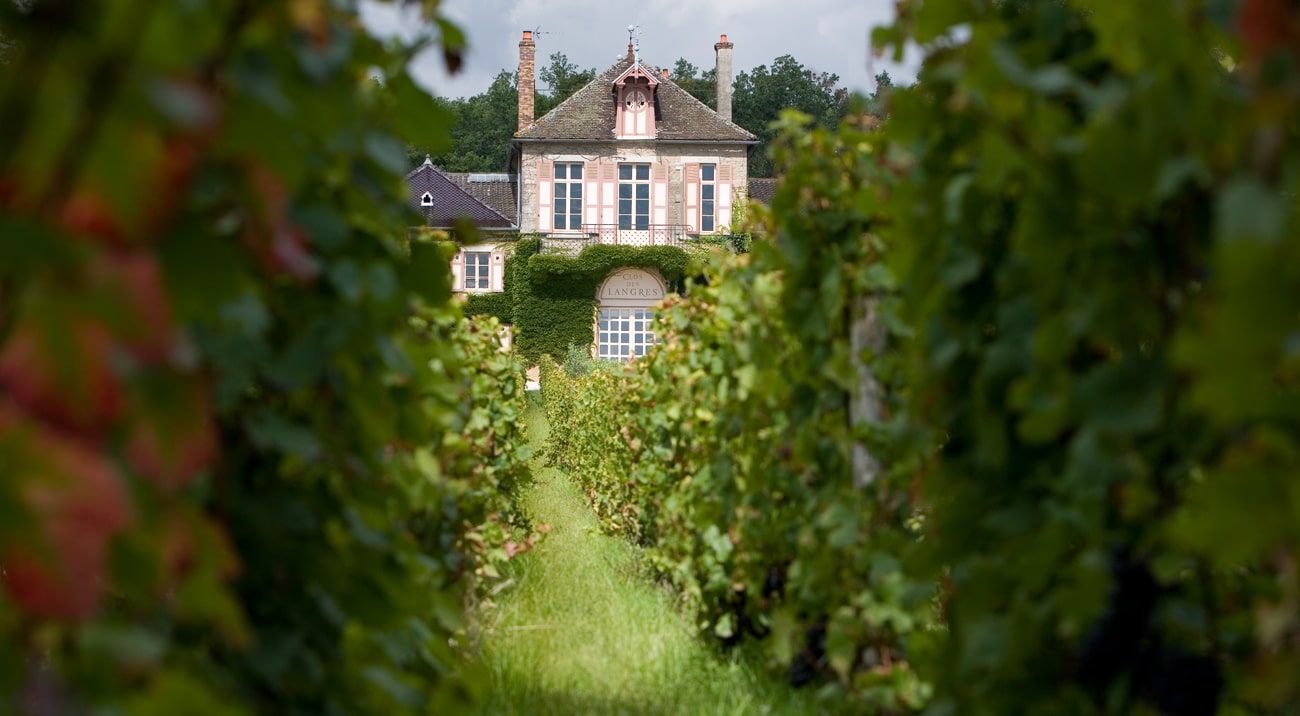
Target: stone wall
{"points": [[677, 155]]}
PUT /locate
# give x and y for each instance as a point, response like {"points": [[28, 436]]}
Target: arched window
{"points": [[625, 318], [427, 199]]}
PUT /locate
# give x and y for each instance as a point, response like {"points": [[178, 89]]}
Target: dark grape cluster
{"points": [[1113, 644], [1175, 681], [1179, 683], [810, 662], [774, 583]]}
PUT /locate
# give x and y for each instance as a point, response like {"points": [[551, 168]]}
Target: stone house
{"points": [[630, 159], [487, 201]]}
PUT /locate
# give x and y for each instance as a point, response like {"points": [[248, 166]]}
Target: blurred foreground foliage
{"points": [[1094, 222], [1076, 237], [252, 458]]}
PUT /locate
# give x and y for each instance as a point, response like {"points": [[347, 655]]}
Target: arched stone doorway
{"points": [[624, 315]]}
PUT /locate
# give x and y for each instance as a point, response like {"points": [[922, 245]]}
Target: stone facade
{"points": [[676, 156], [631, 113]]}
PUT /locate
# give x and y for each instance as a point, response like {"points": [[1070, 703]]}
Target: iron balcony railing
{"points": [[649, 235]]}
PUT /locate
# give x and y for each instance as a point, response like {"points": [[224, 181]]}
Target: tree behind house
{"points": [[701, 85], [760, 95], [562, 78], [485, 123]]}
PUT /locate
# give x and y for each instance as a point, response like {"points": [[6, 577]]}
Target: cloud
{"points": [[825, 35]]}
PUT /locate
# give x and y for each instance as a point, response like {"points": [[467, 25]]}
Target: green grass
{"points": [[581, 630]]}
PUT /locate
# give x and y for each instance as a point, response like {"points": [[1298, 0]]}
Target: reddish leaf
{"points": [[279, 245], [172, 444], [138, 304], [87, 215], [61, 372], [76, 499], [1264, 26]]}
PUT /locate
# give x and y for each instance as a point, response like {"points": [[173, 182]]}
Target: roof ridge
{"points": [[696, 100], [429, 164], [570, 98], [589, 115]]}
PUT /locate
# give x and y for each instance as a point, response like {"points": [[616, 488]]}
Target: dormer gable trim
{"points": [[635, 93], [637, 71]]}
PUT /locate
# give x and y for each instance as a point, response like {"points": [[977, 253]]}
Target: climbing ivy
{"points": [[554, 305], [555, 295], [498, 305]]}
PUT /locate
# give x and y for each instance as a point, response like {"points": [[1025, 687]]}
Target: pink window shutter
{"points": [[545, 182], [608, 192], [691, 196], [724, 198], [591, 193], [497, 272], [457, 262], [659, 194]]}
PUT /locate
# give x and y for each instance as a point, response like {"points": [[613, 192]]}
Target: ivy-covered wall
{"points": [[501, 304], [555, 296], [550, 299]]}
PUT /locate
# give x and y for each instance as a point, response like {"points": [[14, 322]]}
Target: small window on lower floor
{"points": [[478, 271], [624, 333]]}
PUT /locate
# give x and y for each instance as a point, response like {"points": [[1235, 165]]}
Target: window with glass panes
{"points": [[634, 196], [708, 196], [568, 196], [477, 269], [624, 333]]}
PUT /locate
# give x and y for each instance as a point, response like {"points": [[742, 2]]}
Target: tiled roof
{"points": [[589, 114], [450, 201], [495, 190], [762, 189]]}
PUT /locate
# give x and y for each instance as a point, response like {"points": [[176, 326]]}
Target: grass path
{"points": [[582, 631]]}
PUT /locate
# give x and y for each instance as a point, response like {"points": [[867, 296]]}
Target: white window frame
{"points": [[635, 98], [567, 186], [480, 280], [708, 198], [635, 184], [624, 334], [427, 199]]}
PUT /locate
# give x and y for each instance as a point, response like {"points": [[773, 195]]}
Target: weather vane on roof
{"points": [[634, 39]]}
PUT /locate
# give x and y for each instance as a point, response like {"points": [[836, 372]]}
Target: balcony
{"points": [[650, 235]]}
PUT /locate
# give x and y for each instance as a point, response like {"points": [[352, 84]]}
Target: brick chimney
{"points": [[528, 79], [723, 73]]}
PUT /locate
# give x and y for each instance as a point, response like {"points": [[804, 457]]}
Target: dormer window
{"points": [[427, 199], [634, 90]]}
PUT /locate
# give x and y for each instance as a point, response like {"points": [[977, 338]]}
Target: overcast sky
{"points": [[824, 35]]}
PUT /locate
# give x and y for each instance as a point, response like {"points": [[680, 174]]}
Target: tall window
{"points": [[477, 269], [624, 333], [568, 196], [634, 196], [708, 196]]}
